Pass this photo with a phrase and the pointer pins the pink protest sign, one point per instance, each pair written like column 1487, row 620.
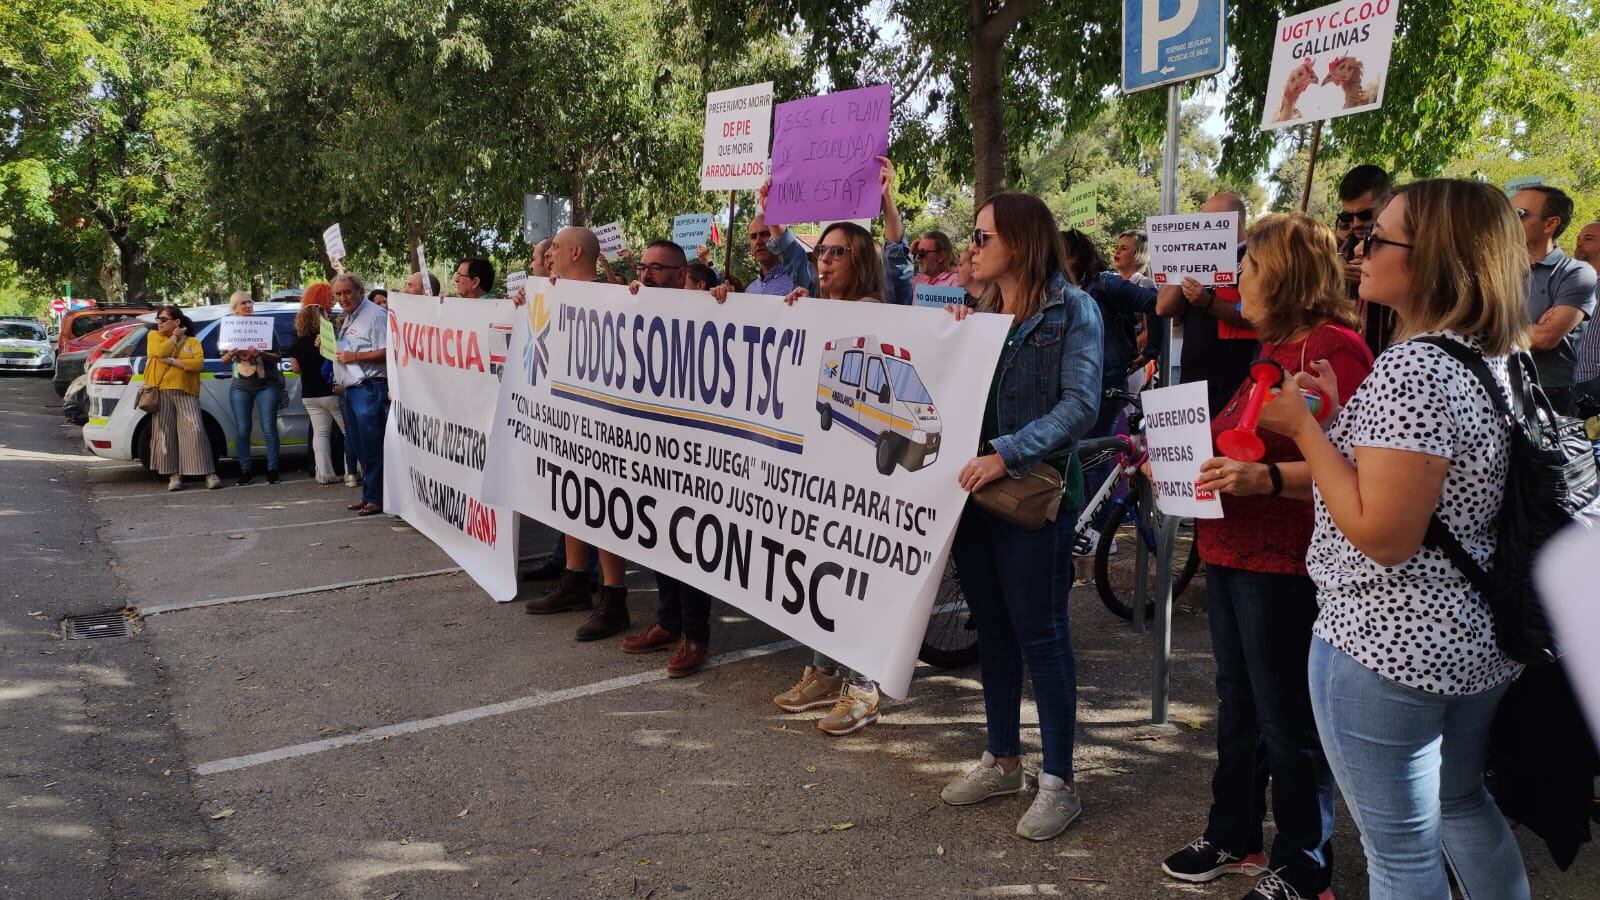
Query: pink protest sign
column 823, row 150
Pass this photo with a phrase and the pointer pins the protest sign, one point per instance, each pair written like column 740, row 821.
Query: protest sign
column 610, row 237
column 1329, row 62
column 738, row 137
column 422, row 266
column 328, row 341
column 444, row 364
column 1202, row 246
column 798, row 463
column 245, row 333
column 824, row 157
column 333, row 241
column 938, row 297
column 514, row 283
column 1177, row 427
column 692, row 231
column 1517, row 184
column 1083, row 205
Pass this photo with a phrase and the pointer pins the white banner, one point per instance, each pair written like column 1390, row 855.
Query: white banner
column 797, row 462
column 1202, row 246
column 1330, row 62
column 1177, row 427
column 738, row 138
column 245, row 333
column 445, row 360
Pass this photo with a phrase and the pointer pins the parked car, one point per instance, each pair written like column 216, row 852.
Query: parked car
column 81, row 323
column 75, row 401
column 117, row 429
column 25, row 346
column 87, row 349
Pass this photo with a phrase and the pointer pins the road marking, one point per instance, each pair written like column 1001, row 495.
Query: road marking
column 227, row 531
column 148, row 611
column 547, row 698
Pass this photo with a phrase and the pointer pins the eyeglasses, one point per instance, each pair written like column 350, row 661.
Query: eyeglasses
column 981, row 237
column 1370, row 239
column 1524, row 213
column 1344, row 219
column 657, row 268
column 831, row 252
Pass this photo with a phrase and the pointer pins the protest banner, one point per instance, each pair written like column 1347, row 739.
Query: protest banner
column 1083, row 206
column 824, row 157
column 938, row 297
column 610, row 237
column 1177, row 427
column 798, row 463
column 1330, row 62
column 445, row 359
column 691, row 232
column 738, row 137
column 1202, row 246
column 245, row 333
column 328, row 341
column 333, row 241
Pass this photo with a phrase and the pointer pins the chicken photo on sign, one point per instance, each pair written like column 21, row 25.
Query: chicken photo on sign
column 1329, row 62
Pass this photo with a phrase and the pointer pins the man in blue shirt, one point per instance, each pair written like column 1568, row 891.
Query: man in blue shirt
column 781, row 258
column 362, row 370
column 1560, row 290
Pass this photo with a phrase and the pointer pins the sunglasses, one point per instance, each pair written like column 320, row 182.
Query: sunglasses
column 1371, row 239
column 1344, row 219
column 1524, row 213
column 164, row 319
column 981, row 237
column 657, row 268
column 919, row 254
column 831, row 252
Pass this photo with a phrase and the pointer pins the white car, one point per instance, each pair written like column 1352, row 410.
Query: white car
column 117, row 429
column 25, row 346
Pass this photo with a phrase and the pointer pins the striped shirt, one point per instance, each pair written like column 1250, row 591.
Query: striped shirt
column 1588, row 368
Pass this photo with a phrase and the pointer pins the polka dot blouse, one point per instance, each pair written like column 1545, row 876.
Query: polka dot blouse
column 1420, row 623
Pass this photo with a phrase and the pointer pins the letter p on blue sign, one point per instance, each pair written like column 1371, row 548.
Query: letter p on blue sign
column 1168, row 41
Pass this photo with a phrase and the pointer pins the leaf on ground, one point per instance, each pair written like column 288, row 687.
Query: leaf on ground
column 807, row 787
column 938, row 850
column 811, row 769
column 844, row 826
column 463, row 813
column 225, row 814
column 642, row 861
column 1194, row 724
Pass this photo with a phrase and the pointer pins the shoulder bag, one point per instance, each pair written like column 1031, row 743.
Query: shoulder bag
column 149, row 397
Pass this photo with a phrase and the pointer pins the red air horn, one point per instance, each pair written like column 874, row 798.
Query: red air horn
column 1241, row 442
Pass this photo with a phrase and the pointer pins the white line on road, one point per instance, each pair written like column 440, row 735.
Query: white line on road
column 148, row 611
column 535, row 701
column 227, row 531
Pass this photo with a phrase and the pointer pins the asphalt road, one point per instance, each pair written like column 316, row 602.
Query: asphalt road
column 352, row 719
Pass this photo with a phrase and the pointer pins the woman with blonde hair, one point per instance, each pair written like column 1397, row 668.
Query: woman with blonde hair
column 257, row 386
column 1404, row 668
column 1043, row 398
column 316, row 389
column 178, row 442
column 1260, row 602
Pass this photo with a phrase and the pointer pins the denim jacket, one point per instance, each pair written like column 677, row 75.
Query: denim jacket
column 1049, row 393
column 897, row 273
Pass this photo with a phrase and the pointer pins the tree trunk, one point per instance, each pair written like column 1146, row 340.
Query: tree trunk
column 986, row 103
column 135, row 270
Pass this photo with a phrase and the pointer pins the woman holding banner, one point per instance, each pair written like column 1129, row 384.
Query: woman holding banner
column 258, row 385
column 1259, row 599
column 1043, row 398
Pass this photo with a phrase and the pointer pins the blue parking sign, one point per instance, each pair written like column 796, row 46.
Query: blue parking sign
column 1167, row 41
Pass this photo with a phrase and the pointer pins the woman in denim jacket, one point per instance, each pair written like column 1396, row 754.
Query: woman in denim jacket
column 1044, row 397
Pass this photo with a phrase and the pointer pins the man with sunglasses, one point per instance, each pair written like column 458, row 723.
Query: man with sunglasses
column 1560, row 291
column 935, row 259
column 1363, row 193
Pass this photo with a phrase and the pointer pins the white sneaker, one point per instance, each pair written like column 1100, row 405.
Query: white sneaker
column 351, row 481
column 985, row 780
column 175, row 483
column 1056, row 806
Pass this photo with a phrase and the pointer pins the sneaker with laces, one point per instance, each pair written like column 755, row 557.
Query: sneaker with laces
column 856, row 708
column 815, row 689
column 1273, row 887
column 1057, row 805
column 985, row 780
column 1202, row 861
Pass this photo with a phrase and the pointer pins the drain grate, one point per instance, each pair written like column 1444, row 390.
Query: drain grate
column 100, row 625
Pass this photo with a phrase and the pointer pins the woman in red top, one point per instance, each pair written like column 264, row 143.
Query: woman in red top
column 1261, row 603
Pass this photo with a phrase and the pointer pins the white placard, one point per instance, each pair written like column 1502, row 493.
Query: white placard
column 610, row 237
column 1202, row 246
column 796, row 462
column 514, row 283
column 445, row 359
column 1330, row 62
column 738, row 138
column 333, row 241
column 422, row 266
column 1177, row 426
column 245, row 333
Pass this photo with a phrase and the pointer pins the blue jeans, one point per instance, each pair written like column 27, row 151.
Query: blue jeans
column 1410, row 766
column 1016, row 582
column 352, row 440
column 264, row 401
column 369, row 410
column 1260, row 636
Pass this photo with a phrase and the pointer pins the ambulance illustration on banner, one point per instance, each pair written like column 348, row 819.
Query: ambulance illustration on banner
column 872, row 389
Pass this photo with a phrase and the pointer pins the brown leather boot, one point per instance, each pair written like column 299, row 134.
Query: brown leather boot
column 609, row 617
column 687, row 658
column 572, row 592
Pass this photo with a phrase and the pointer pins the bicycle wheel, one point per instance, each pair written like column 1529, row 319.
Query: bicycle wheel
column 951, row 640
column 1114, row 571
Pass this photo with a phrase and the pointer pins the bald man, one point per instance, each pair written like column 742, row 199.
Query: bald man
column 1218, row 344
column 573, row 253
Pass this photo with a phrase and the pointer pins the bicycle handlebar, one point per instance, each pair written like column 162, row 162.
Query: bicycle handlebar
column 1116, row 443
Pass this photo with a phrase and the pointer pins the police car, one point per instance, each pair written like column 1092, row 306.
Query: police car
column 118, row 429
column 25, row 346
column 871, row 388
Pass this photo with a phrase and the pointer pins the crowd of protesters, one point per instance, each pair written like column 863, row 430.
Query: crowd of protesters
column 1352, row 655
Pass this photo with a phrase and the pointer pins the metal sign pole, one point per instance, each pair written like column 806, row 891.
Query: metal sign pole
column 1167, row 532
